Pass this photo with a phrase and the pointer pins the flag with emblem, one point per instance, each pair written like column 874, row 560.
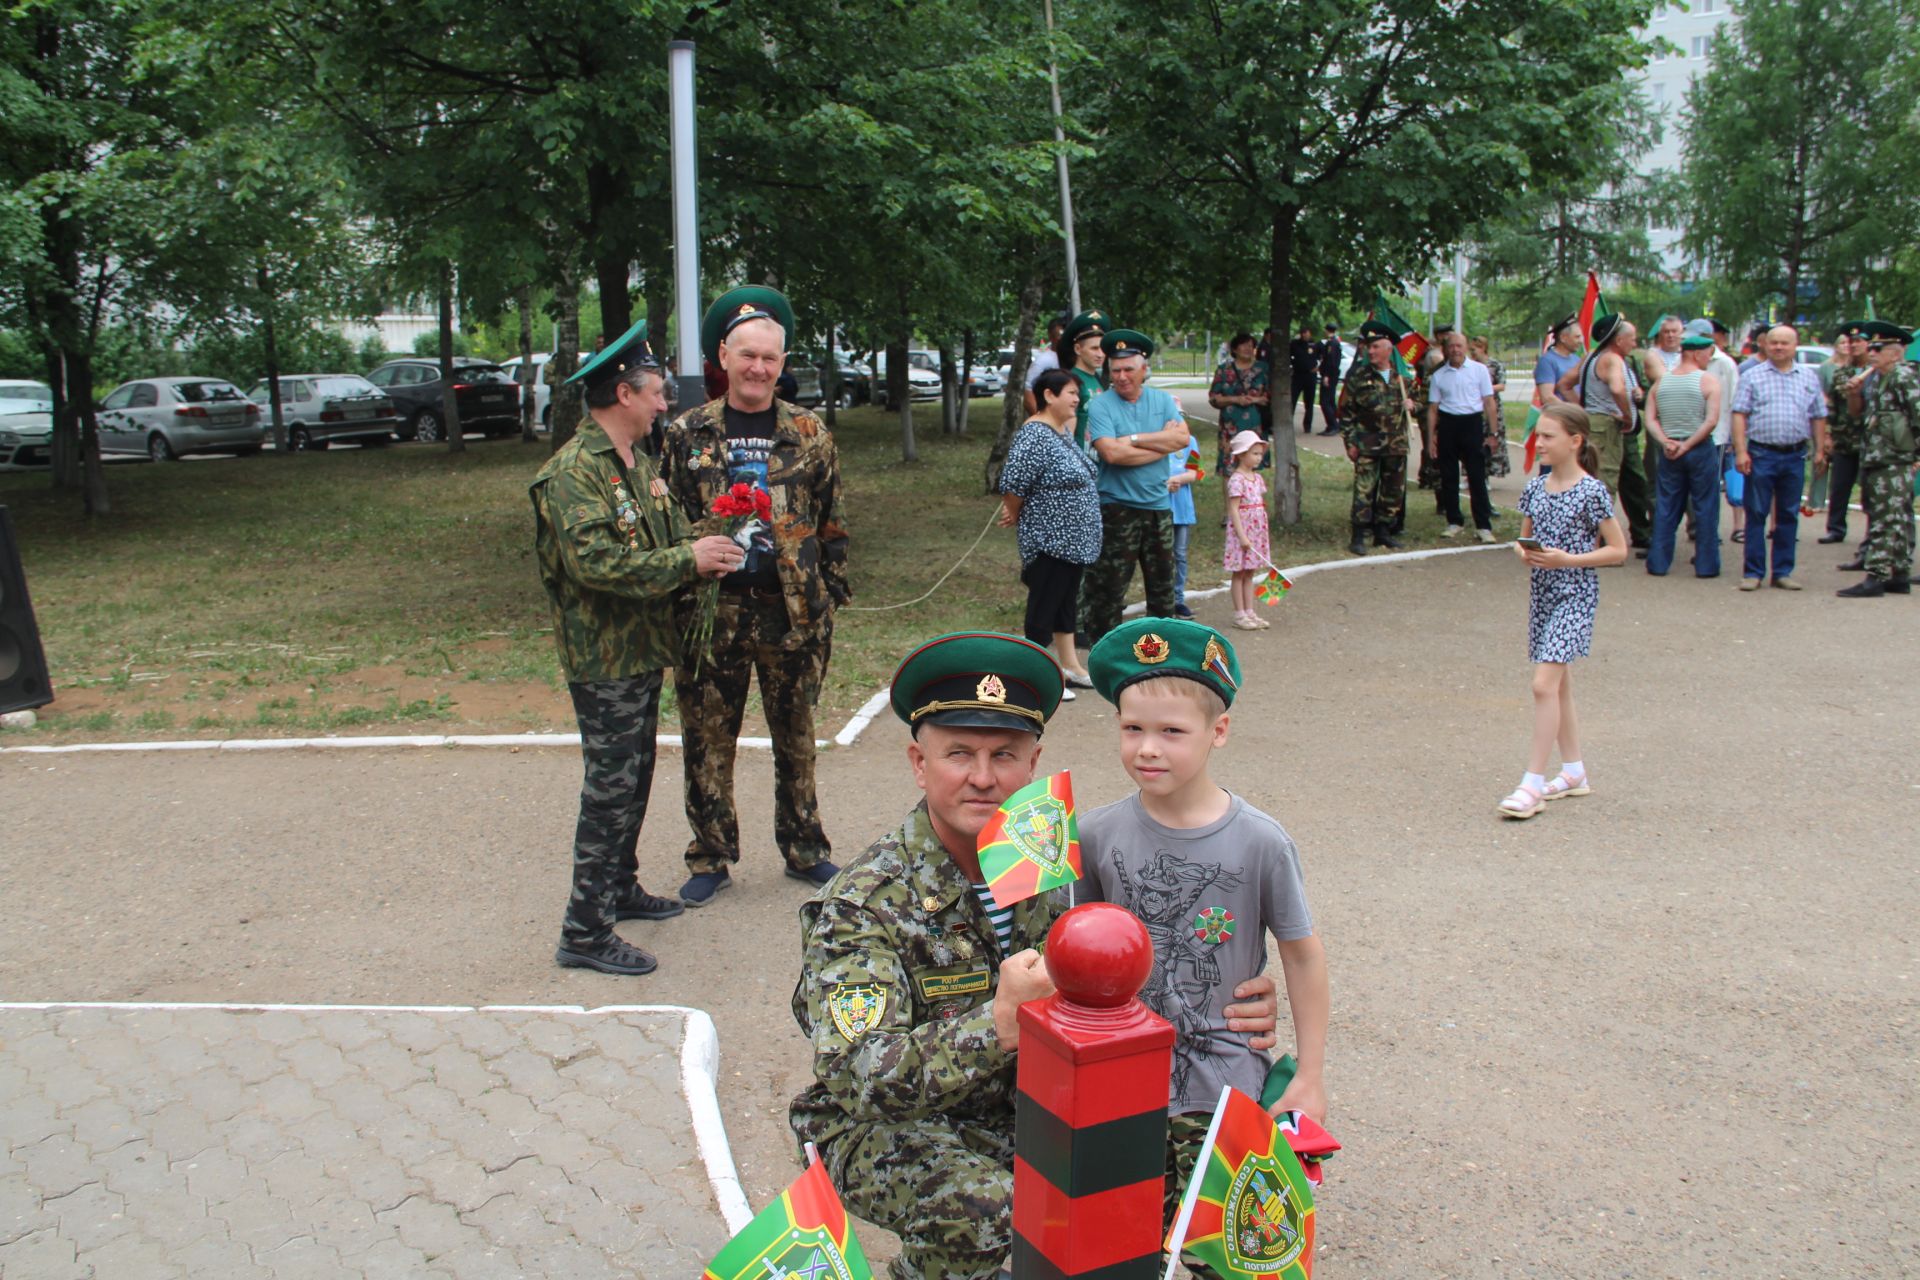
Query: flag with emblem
column 1409, row 344
column 804, row 1235
column 1273, row 588
column 1033, row 843
column 1248, row 1209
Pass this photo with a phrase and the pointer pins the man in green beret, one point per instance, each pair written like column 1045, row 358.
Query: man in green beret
column 911, row 978
column 1132, row 427
column 612, row 553
column 1887, row 399
column 775, row 615
column 1081, row 354
column 1375, row 411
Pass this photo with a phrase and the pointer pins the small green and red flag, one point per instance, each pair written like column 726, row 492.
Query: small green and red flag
column 1248, row 1209
column 1273, row 588
column 1033, row 843
column 1409, row 344
column 803, row 1233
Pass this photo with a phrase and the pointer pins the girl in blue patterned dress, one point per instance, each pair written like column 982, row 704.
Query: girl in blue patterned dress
column 1570, row 514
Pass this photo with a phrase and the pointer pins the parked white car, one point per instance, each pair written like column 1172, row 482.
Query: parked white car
column 165, row 418
column 542, row 393
column 923, row 376
column 320, row 409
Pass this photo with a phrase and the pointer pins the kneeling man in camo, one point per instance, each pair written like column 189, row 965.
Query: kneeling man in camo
column 911, row 978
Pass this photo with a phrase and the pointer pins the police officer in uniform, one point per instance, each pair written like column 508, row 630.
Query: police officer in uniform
column 1374, row 405
column 612, row 553
column 1886, row 399
column 909, row 989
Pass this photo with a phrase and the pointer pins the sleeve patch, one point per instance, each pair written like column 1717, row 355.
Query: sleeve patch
column 857, row 1008
column 941, row 986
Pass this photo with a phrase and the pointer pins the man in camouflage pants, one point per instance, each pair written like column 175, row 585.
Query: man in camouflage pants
column 1132, row 428
column 774, row 617
column 910, row 996
column 1887, row 401
column 612, row 552
column 1374, row 410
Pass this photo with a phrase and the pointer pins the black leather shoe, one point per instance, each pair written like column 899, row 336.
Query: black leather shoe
column 641, row 905
column 1868, row 589
column 1383, row 537
column 1358, row 547
column 1900, row 585
column 1856, row 565
column 1827, row 538
column 615, row 956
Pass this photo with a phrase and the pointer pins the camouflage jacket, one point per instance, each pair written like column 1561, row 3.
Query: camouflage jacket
column 1371, row 416
column 1843, row 425
column 611, row 557
column 803, row 477
column 1890, row 435
column 898, row 967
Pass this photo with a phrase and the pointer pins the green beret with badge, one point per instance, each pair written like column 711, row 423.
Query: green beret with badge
column 1372, row 329
column 737, row 306
column 1604, row 327
column 1146, row 648
column 1087, row 322
column 628, row 351
column 978, row 680
column 1126, row 342
column 1696, row 342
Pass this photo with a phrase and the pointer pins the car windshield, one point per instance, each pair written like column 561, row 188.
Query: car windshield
column 9, row 404
column 344, row 387
column 923, row 360
column 481, row 373
column 203, row 392
column 37, row 393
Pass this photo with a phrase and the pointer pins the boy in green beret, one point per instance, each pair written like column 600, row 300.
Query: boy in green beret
column 1207, row 873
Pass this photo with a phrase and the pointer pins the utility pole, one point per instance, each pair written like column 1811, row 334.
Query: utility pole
column 1060, row 163
column 691, row 385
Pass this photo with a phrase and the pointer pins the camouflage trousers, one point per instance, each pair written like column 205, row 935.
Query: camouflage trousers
column 944, row 1186
column 747, row 634
column 1887, row 494
column 618, row 719
column 1128, row 536
column 1186, row 1135
column 1379, row 489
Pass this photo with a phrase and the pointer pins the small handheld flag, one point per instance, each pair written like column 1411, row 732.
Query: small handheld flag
column 1248, row 1209
column 1273, row 588
column 1409, row 344
column 1591, row 304
column 1033, row 843
column 803, row 1233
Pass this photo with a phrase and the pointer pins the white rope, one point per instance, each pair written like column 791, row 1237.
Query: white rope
column 883, row 608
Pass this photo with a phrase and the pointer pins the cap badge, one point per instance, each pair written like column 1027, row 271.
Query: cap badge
column 1215, row 660
column 1093, row 315
column 1150, row 649
column 990, row 689
column 1120, row 345
column 746, row 309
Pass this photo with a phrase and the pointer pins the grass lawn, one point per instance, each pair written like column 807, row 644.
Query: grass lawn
column 394, row 591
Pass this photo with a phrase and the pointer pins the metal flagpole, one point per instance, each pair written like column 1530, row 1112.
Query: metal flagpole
column 1459, row 291
column 1060, row 162
column 691, row 385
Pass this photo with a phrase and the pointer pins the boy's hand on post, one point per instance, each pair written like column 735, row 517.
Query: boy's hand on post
column 1256, row 1013
column 1023, row 977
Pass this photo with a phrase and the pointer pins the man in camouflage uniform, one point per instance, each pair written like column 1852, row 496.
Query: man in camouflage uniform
column 909, row 993
column 1844, row 430
column 1888, row 400
column 612, row 552
column 775, row 614
column 1374, row 409
column 1132, row 428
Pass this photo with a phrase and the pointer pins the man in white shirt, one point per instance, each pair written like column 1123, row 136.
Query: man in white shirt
column 1460, row 409
column 1046, row 358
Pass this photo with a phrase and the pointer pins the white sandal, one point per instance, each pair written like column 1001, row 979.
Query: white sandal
column 1566, row 785
column 1523, row 803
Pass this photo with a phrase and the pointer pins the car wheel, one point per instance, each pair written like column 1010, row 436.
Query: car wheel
column 298, row 441
column 158, row 450
column 426, row 426
column 845, row 398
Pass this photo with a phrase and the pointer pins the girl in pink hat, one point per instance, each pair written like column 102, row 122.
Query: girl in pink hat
column 1248, row 550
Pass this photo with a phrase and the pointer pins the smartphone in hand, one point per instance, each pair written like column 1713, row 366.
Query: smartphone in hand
column 1530, row 544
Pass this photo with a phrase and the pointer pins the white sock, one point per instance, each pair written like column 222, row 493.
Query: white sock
column 1573, row 768
column 1533, row 780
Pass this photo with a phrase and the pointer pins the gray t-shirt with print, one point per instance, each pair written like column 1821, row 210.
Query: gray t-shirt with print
column 1208, row 897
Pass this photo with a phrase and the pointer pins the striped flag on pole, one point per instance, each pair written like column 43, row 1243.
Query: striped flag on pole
column 1033, row 843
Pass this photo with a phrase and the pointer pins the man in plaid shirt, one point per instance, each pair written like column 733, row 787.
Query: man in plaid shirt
column 1779, row 409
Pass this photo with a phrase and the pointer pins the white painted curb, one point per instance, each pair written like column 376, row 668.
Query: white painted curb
column 699, row 1068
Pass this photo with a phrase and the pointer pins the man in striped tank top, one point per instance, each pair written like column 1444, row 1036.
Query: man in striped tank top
column 1681, row 415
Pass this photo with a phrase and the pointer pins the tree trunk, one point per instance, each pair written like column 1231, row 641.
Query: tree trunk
column 900, row 392
column 608, row 208
column 564, row 406
column 966, row 382
column 66, row 428
column 949, row 375
column 93, row 475
column 830, row 383
column 1286, row 453
column 270, row 349
column 449, row 400
column 529, row 426
column 1012, row 402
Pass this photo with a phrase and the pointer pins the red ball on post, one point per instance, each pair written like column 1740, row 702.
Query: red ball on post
column 1099, row 955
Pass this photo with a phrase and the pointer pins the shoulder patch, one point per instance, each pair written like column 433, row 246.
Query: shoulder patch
column 941, row 986
column 856, row 1008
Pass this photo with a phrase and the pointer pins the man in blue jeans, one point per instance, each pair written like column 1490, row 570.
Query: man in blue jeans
column 1681, row 415
column 1779, row 409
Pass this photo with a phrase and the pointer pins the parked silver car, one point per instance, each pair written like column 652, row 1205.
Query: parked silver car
column 542, row 393
column 320, row 409
column 167, row 417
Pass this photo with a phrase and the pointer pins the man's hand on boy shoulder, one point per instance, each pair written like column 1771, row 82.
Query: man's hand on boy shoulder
column 1257, row 1011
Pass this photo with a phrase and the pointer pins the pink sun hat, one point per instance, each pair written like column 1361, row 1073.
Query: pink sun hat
column 1243, row 441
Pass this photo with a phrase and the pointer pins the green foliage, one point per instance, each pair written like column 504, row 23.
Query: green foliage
column 428, row 344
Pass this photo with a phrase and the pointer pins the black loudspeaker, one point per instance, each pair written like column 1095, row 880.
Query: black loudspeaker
column 23, row 663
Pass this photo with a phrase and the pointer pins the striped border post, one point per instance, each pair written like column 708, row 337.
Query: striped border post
column 1091, row 1114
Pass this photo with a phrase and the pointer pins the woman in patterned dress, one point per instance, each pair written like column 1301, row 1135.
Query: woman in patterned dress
column 1048, row 497
column 1239, row 390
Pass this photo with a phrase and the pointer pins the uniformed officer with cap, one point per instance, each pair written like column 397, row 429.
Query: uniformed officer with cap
column 612, row 553
column 1374, row 406
column 911, row 981
column 1887, row 401
column 1843, row 426
column 775, row 614
column 1080, row 353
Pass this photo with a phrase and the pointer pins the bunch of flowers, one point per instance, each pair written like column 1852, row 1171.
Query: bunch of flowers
column 747, row 509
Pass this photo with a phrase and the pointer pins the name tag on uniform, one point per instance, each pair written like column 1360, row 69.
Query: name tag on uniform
column 942, row 986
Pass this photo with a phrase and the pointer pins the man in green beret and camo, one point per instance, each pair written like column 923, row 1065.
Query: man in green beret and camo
column 1886, row 400
column 774, row 619
column 613, row 552
column 1375, row 408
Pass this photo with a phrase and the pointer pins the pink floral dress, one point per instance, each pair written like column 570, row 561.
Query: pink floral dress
column 1250, row 492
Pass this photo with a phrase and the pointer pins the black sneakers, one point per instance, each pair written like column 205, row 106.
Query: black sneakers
column 647, row 906
column 615, row 955
column 817, row 874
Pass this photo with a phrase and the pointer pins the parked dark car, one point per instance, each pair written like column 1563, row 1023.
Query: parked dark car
column 856, row 380
column 488, row 399
column 320, row 409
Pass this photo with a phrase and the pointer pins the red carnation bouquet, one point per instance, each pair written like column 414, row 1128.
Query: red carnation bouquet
column 748, row 510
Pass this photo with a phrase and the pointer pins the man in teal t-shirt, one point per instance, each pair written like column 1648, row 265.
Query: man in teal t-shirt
column 1132, row 428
